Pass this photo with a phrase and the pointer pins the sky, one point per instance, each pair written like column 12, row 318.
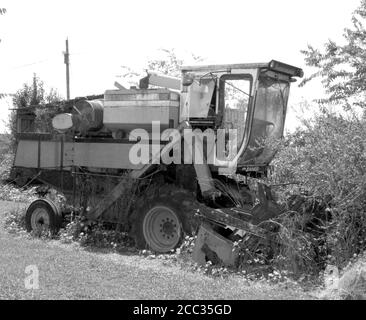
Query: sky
column 106, row 35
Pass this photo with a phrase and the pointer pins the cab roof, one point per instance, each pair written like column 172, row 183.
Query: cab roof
column 272, row 65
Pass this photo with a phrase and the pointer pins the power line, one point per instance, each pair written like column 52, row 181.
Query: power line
column 30, row 64
column 4, row 95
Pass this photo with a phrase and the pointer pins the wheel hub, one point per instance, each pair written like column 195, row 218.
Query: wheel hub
column 40, row 219
column 168, row 228
column 161, row 229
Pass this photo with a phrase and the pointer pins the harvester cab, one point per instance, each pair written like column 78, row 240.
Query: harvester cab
column 248, row 99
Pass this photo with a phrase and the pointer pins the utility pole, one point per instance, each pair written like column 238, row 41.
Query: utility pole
column 67, row 62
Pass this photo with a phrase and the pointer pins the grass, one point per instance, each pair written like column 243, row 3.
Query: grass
column 70, row 271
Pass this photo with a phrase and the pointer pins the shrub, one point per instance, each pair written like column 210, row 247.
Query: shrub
column 10, row 193
column 327, row 160
column 6, row 162
column 98, row 235
column 15, row 221
column 71, row 232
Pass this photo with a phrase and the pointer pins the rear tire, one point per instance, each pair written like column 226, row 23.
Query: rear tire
column 43, row 214
column 161, row 218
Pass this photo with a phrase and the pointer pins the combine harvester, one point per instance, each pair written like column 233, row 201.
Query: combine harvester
column 168, row 160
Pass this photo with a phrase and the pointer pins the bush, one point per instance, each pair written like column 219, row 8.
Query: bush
column 15, row 221
column 6, row 162
column 10, row 193
column 98, row 235
column 327, row 160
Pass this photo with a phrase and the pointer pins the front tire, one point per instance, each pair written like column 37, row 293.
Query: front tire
column 43, row 215
column 162, row 228
column 162, row 218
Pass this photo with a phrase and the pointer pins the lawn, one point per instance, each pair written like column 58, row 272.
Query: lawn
column 68, row 271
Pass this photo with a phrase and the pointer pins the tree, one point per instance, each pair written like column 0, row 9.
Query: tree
column 169, row 65
column 2, row 12
column 33, row 95
column 342, row 67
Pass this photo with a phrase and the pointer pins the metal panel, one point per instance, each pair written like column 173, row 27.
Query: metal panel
column 85, row 154
column 104, row 155
column 140, row 103
column 27, row 154
column 116, row 96
column 49, row 152
column 199, row 98
column 127, row 118
column 130, row 109
column 224, row 67
column 163, row 80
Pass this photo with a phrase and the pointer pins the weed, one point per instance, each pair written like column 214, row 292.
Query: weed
column 15, row 221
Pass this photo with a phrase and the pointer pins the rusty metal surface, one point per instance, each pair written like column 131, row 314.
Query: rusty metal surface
column 225, row 217
column 212, row 246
